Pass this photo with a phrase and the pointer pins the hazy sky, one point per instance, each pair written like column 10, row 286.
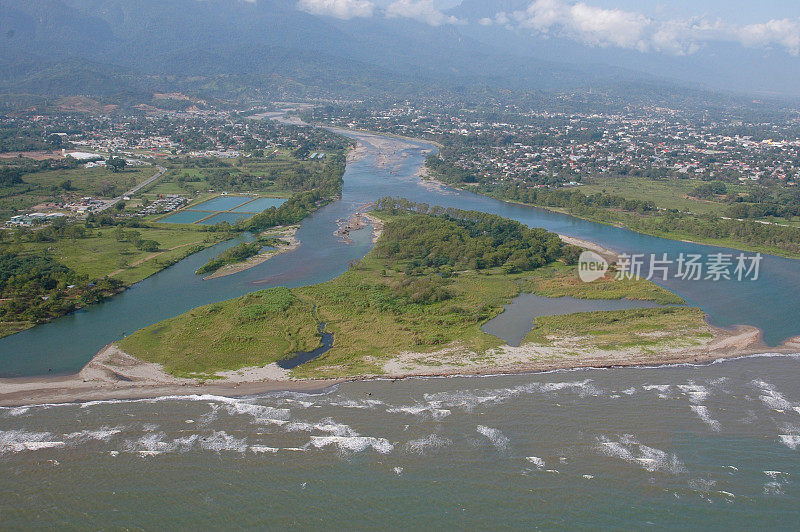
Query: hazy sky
column 739, row 11
column 677, row 27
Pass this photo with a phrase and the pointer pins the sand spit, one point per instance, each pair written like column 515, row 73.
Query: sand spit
column 607, row 254
column 113, row 374
column 284, row 233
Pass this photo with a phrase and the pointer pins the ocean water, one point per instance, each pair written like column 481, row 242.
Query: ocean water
column 716, row 446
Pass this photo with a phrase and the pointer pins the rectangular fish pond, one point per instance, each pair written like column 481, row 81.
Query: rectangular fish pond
column 229, row 209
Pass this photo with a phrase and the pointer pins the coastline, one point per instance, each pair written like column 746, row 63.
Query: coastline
column 115, row 375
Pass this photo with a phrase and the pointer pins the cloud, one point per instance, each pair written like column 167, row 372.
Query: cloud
column 597, row 26
column 421, row 10
column 777, row 32
column 343, row 9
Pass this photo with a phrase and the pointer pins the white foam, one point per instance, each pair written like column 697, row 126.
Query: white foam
column 535, row 460
column 773, row 488
column 649, row 458
column 697, row 393
column 262, row 449
column 498, row 439
column 101, row 434
column 14, row 441
column 353, row 443
column 325, row 425
column 468, row 400
column 773, row 399
column 421, row 410
column 154, row 443
column 431, row 441
column 38, row 445
column 398, row 471
column 792, row 441
column 705, row 417
column 220, row 441
column 360, row 404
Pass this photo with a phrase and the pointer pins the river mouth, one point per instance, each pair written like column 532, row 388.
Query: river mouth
column 302, row 357
column 518, row 318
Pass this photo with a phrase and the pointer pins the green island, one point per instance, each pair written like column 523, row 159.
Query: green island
column 240, row 253
column 417, row 303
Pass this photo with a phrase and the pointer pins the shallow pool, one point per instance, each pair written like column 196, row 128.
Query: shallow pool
column 220, row 203
column 517, row 319
column 259, row 205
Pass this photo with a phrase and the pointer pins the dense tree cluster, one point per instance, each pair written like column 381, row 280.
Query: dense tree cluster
column 238, row 253
column 293, row 211
column 38, row 288
column 663, row 222
column 448, row 239
column 571, row 199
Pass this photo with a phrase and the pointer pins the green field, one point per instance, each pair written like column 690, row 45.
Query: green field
column 267, row 176
column 376, row 311
column 46, row 186
column 101, row 254
column 666, row 194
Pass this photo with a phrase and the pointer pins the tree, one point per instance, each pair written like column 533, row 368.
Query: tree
column 116, row 163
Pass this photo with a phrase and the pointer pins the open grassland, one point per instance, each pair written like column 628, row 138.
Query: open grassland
column 622, row 329
column 250, row 331
column 267, row 176
column 562, row 280
column 669, row 193
column 101, row 254
column 51, row 185
column 377, row 311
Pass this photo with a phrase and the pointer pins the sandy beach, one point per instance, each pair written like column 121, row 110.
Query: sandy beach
column 113, row 374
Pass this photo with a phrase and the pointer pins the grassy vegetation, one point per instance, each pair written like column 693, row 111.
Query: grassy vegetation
column 561, row 280
column 621, row 329
column 229, row 335
column 272, row 176
column 71, row 272
column 67, row 184
column 666, row 194
column 377, row 310
column 101, row 254
column 239, row 253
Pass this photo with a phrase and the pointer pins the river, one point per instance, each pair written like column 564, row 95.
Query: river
column 675, row 447
column 388, row 168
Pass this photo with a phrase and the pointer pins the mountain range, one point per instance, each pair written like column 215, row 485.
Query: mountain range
column 272, row 48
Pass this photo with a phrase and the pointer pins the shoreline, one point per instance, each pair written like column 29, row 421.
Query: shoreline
column 285, row 233
column 114, row 375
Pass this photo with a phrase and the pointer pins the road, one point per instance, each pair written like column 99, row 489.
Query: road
column 134, row 190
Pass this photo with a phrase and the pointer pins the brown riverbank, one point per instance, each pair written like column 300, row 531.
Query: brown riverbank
column 113, row 374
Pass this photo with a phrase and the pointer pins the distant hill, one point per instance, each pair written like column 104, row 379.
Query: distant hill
column 270, row 48
column 108, row 47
